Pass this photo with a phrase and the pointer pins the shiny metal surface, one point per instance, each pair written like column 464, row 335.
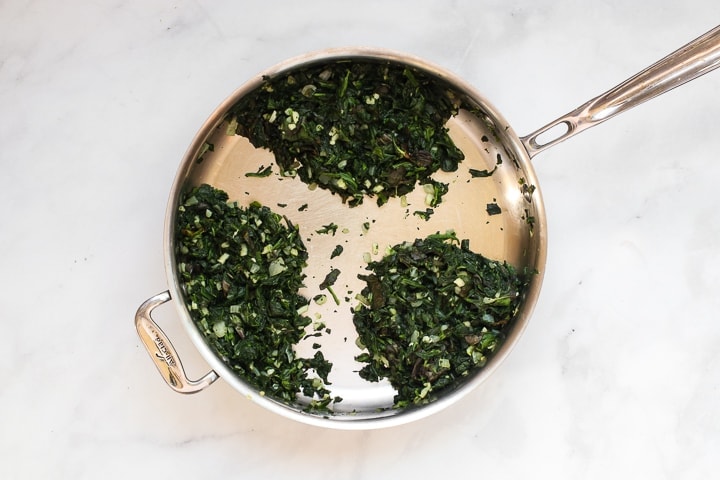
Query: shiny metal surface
column 162, row 351
column 696, row 58
column 508, row 236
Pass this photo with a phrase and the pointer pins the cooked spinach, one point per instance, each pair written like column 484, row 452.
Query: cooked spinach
column 240, row 269
column 262, row 172
column 486, row 173
column 328, row 283
column 330, row 279
column 432, row 311
column 337, row 251
column 330, row 228
column 482, row 173
column 357, row 128
column 493, row 209
column 424, row 214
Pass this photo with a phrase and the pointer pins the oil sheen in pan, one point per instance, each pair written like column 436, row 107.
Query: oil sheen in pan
column 366, row 231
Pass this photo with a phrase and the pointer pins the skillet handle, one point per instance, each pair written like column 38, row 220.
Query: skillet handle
column 687, row 63
column 162, row 351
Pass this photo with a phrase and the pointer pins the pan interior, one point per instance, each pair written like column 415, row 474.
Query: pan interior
column 365, row 231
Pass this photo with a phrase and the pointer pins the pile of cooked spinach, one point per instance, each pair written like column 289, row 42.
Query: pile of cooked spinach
column 240, row 269
column 357, row 128
column 431, row 312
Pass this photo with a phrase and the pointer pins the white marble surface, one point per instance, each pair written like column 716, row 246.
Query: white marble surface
column 618, row 374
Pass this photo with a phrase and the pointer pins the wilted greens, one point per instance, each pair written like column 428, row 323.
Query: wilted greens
column 240, row 269
column 433, row 311
column 357, row 128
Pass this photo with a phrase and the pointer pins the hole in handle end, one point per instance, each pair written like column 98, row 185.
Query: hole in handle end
column 548, row 136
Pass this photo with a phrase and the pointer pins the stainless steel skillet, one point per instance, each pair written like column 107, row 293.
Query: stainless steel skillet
column 517, row 235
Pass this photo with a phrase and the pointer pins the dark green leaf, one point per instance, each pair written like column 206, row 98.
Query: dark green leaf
column 493, row 209
column 435, row 312
column 358, row 129
column 262, row 172
column 481, row 173
column 330, row 279
column 330, row 228
column 336, row 251
column 240, row 269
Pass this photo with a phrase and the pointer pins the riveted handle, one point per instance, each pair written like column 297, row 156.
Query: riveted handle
column 697, row 58
column 162, row 351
